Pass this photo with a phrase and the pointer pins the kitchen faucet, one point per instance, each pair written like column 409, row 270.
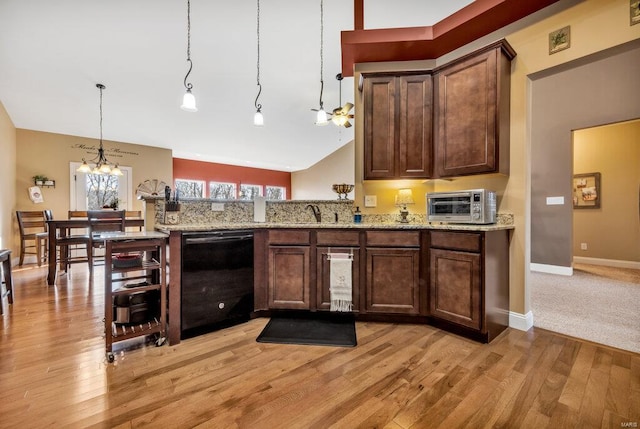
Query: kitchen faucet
column 316, row 211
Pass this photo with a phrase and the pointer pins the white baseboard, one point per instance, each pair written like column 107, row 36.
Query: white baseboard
column 551, row 269
column 521, row 322
column 607, row 262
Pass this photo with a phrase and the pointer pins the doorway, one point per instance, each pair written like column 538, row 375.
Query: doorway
column 606, row 231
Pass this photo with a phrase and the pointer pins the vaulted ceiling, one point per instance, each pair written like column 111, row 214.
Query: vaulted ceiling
column 52, row 54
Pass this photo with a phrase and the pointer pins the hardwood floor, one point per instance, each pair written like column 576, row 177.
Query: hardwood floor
column 53, row 373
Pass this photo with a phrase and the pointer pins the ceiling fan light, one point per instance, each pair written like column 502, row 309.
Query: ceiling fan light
column 258, row 119
column 339, row 120
column 321, row 117
column 189, row 102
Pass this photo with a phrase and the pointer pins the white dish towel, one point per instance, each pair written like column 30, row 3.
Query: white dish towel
column 340, row 281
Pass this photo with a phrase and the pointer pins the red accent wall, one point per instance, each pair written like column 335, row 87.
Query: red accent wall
column 213, row 172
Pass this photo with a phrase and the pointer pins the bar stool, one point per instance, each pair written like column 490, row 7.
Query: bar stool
column 5, row 258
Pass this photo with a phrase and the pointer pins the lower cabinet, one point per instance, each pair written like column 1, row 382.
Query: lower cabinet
column 289, row 264
column 323, row 275
column 456, row 280
column 469, row 280
column 392, row 283
column 455, row 287
column 289, row 277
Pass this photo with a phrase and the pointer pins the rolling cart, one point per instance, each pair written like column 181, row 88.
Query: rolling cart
column 135, row 284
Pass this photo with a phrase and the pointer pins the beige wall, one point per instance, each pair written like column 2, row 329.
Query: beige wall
column 50, row 154
column 613, row 230
column 7, row 177
column 315, row 182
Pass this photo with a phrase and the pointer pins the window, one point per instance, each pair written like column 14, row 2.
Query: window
column 276, row 193
column 222, row 191
column 249, row 192
column 95, row 191
column 190, row 188
column 102, row 191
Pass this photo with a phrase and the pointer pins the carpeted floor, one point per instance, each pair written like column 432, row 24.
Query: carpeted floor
column 600, row 304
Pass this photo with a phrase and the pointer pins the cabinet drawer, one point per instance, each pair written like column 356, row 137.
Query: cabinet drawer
column 338, row 238
column 288, row 236
column 393, row 238
column 470, row 242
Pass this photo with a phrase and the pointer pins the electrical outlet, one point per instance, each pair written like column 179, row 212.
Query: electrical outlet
column 583, row 246
column 370, row 201
column 217, row 207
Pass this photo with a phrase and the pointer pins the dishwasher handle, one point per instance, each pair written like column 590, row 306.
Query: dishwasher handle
column 217, row 239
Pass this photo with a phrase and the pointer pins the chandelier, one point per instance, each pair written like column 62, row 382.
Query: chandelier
column 101, row 164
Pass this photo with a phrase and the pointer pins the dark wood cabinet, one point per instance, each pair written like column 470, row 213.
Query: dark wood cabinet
column 455, row 287
column 289, row 269
column 347, row 242
column 472, row 113
column 392, row 283
column 398, row 126
column 454, row 279
column 469, row 280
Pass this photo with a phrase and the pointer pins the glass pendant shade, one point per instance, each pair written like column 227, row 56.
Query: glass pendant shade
column 258, row 119
column 84, row 168
column 189, row 102
column 321, row 118
column 116, row 171
column 105, row 168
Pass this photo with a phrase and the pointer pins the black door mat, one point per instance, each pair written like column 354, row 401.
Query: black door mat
column 338, row 331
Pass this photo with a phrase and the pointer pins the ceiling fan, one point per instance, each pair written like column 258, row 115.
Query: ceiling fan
column 340, row 115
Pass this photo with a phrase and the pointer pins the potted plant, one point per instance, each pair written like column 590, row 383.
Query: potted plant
column 39, row 179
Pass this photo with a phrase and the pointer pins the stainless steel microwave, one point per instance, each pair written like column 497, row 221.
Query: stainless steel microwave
column 475, row 206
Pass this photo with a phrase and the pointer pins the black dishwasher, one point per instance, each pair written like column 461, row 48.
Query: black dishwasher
column 217, row 280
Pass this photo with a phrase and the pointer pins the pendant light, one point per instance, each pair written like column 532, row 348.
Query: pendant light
column 188, row 101
column 258, row 119
column 321, row 116
column 101, row 164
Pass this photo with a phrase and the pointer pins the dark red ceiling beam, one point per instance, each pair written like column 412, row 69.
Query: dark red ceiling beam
column 421, row 43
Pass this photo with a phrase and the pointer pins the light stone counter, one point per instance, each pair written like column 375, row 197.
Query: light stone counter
column 198, row 216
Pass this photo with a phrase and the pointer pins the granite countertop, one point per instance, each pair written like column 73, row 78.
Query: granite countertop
column 326, row 225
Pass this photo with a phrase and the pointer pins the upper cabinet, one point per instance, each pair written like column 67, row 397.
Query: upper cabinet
column 447, row 122
column 398, row 126
column 472, row 113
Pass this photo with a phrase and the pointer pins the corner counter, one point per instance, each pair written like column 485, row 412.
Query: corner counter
column 453, row 276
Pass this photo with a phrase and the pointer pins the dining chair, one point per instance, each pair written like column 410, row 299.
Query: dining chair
column 133, row 214
column 69, row 242
column 101, row 221
column 33, row 233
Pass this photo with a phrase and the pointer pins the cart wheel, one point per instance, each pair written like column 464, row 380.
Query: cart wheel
column 160, row 341
column 110, row 357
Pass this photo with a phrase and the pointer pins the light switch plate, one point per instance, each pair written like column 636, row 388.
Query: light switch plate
column 217, row 207
column 370, row 200
column 555, row 201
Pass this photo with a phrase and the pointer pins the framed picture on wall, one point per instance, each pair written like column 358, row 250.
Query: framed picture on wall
column 586, row 191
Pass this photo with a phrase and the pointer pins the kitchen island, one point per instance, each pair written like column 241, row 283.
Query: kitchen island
column 455, row 277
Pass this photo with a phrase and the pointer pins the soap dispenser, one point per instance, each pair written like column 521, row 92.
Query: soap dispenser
column 357, row 216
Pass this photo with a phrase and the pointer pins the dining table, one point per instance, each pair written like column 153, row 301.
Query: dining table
column 60, row 228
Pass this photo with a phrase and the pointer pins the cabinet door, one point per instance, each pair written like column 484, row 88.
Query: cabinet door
column 466, row 97
column 379, row 127
column 289, row 277
column 323, row 276
column 455, row 287
column 415, row 126
column 392, row 282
